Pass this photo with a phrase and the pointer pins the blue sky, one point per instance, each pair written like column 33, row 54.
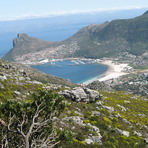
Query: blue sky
column 16, row 9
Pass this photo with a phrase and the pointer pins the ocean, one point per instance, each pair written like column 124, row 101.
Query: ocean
column 78, row 71
column 60, row 28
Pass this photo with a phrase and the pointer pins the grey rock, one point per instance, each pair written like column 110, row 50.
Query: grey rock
column 122, row 107
column 80, row 114
column 93, row 95
column 6, row 66
column 137, row 133
column 110, row 109
column 146, row 140
column 81, row 94
column 17, row 93
column 95, row 129
column 78, row 109
column 125, row 133
column 21, row 78
column 98, row 108
column 144, row 126
column 127, row 102
column 76, row 119
column 35, row 82
column 118, row 116
column 99, row 103
column 88, row 141
column 96, row 139
column 3, row 78
column 18, row 98
column 65, row 93
column 23, row 72
column 73, row 128
column 126, row 121
column 95, row 113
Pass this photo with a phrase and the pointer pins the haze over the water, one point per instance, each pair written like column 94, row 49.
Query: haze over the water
column 17, row 9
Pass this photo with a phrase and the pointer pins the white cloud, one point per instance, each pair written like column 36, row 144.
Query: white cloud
column 62, row 13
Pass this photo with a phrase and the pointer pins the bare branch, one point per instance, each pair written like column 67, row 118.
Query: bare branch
column 10, row 123
column 4, row 142
column 20, row 130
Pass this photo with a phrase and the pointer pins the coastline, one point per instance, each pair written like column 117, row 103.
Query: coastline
column 114, row 71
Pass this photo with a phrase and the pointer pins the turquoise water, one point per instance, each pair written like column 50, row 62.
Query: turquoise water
column 77, row 72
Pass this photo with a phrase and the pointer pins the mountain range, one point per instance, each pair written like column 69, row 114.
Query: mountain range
column 94, row 41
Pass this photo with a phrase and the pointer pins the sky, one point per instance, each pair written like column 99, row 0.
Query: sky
column 20, row 9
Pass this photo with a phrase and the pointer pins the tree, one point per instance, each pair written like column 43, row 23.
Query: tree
column 31, row 123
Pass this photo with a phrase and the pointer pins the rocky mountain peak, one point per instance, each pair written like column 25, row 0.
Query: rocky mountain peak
column 21, row 38
column 22, row 35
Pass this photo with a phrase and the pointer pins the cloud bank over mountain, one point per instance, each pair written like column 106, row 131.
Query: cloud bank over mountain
column 72, row 12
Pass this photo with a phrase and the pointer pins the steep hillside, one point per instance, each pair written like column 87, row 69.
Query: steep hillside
column 66, row 117
column 118, row 36
column 18, row 77
column 94, row 41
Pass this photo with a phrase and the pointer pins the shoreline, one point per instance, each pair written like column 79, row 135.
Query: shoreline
column 114, row 71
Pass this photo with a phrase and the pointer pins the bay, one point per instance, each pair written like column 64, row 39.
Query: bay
column 73, row 70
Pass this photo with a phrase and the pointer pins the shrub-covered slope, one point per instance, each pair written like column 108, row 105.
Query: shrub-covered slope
column 83, row 118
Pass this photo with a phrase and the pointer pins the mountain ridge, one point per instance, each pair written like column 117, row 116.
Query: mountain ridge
column 94, row 41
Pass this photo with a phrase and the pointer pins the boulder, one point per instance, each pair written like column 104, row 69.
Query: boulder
column 78, row 94
column 81, row 94
column 93, row 95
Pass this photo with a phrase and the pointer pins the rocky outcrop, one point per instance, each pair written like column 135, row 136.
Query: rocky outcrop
column 80, row 94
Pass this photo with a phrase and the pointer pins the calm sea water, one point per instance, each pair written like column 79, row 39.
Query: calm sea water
column 76, row 72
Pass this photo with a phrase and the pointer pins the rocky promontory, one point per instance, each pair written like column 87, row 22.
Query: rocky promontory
column 94, row 41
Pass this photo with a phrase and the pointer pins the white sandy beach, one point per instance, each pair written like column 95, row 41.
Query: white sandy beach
column 114, row 71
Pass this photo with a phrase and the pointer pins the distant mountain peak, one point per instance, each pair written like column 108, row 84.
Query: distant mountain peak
column 146, row 13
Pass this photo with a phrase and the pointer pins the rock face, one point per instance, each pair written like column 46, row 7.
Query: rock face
column 81, row 94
